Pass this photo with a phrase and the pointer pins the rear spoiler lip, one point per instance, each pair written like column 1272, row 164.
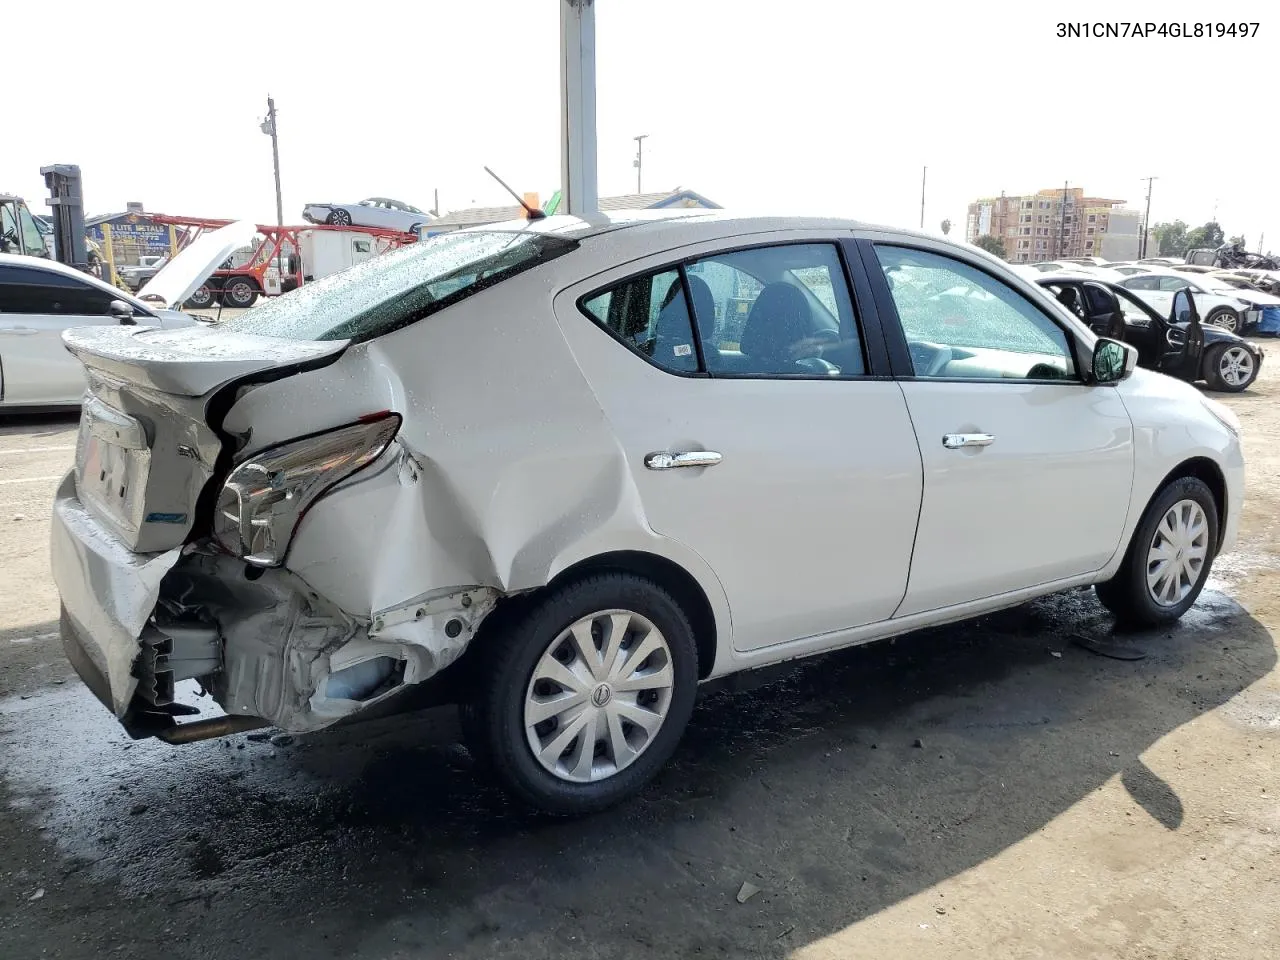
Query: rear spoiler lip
column 193, row 361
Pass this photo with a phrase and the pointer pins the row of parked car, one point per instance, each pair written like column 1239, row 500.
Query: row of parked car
column 1134, row 302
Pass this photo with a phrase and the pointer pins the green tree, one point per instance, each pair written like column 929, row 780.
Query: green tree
column 1210, row 236
column 1171, row 238
column 991, row 244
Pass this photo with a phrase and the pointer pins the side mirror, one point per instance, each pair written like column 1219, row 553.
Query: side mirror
column 1184, row 307
column 122, row 311
column 1112, row 361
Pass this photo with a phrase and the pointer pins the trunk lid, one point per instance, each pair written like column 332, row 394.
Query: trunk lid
column 149, row 438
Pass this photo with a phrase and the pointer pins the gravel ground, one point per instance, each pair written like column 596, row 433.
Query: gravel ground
column 987, row 790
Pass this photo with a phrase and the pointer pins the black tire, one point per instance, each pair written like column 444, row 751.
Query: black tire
column 1212, row 367
column 493, row 721
column 202, row 299
column 239, row 292
column 1127, row 594
column 338, row 218
column 1224, row 317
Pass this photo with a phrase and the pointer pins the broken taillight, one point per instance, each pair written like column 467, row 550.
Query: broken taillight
column 266, row 496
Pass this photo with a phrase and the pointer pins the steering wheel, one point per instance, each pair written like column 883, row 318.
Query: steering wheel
column 815, row 363
column 1045, row 371
column 824, row 368
column 933, row 357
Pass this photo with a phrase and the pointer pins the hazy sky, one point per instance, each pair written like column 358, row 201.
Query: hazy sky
column 808, row 107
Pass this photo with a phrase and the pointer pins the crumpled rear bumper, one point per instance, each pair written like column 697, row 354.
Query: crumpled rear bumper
column 108, row 593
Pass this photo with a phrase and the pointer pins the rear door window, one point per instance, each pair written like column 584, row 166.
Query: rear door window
column 650, row 315
column 30, row 290
column 780, row 310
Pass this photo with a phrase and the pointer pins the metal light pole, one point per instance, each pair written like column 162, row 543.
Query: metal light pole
column 639, row 161
column 269, row 128
column 578, row 107
column 1146, row 222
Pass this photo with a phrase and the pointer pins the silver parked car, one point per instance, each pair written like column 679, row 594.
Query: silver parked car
column 560, row 472
column 377, row 212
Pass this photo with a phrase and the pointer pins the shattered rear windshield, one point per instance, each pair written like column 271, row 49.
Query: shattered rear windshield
column 394, row 289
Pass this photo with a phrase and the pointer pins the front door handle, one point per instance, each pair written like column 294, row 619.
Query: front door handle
column 954, row 441
column 692, row 458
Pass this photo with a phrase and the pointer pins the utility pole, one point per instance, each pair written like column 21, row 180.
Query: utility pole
column 1146, row 221
column 639, row 161
column 1062, row 228
column 924, row 175
column 269, row 128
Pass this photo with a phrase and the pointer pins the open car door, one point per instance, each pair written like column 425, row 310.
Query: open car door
column 1183, row 338
column 1103, row 312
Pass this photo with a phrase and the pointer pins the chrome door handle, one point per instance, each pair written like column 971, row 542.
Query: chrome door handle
column 954, row 441
column 693, row 458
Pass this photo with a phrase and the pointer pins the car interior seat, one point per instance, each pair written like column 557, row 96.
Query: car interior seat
column 778, row 319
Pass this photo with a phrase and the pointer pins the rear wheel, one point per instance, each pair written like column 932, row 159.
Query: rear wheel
column 338, row 218
column 1230, row 367
column 239, row 292
column 1169, row 557
column 586, row 694
column 202, row 298
column 1224, row 317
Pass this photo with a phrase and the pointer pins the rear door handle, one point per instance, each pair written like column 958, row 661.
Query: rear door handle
column 692, row 458
column 954, row 441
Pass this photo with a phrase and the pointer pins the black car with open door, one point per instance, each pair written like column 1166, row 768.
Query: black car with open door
column 1179, row 345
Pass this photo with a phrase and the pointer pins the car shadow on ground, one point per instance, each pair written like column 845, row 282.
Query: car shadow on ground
column 854, row 781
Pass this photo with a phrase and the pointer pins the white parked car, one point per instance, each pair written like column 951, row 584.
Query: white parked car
column 40, row 299
column 562, row 472
column 1081, row 265
column 1221, row 304
column 374, row 212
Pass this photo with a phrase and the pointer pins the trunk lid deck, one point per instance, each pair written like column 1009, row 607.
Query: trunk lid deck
column 149, row 436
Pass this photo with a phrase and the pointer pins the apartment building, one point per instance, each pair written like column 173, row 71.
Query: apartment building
column 1056, row 223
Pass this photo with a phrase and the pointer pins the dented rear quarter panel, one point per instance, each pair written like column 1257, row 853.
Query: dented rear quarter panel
column 505, row 472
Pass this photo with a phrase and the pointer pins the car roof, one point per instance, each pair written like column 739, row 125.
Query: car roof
column 689, row 224
column 53, row 266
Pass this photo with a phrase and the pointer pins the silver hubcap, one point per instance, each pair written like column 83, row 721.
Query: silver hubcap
column 1236, row 366
column 1177, row 554
column 598, row 696
column 1227, row 321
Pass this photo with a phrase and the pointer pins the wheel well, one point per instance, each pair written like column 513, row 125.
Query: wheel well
column 1205, row 470
column 670, row 576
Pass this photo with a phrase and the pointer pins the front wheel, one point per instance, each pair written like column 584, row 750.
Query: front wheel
column 1224, row 317
column 1230, row 368
column 1169, row 557
column 586, row 695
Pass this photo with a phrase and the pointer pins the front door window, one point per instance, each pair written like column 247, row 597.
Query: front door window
column 963, row 323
